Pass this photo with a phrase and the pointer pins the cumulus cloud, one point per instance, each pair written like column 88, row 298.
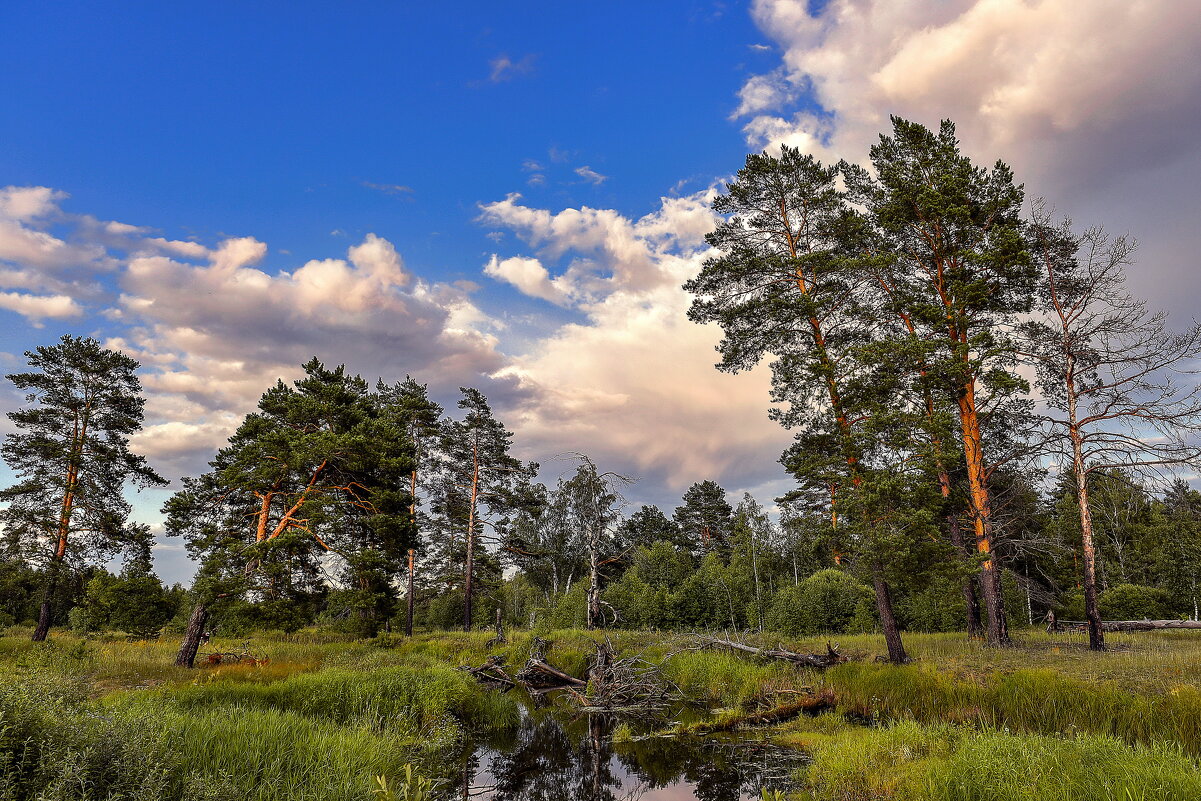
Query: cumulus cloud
column 632, row 384
column 529, row 276
column 35, row 308
column 1091, row 106
column 216, row 334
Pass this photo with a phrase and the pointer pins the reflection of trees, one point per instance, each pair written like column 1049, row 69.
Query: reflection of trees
column 547, row 764
column 550, row 760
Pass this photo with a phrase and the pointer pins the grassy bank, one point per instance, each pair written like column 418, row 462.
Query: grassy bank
column 325, row 716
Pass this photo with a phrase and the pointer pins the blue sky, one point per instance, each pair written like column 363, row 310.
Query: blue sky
column 509, row 196
column 276, row 119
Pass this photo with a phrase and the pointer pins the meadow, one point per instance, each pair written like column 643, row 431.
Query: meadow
column 331, row 718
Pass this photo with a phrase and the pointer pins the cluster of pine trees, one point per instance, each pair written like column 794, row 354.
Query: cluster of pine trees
column 903, row 309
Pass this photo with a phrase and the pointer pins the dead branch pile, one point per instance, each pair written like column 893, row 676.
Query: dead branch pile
column 492, row 672
column 612, row 683
column 830, row 658
column 625, row 684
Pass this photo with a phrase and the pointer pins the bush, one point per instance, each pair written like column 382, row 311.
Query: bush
column 1133, row 602
column 829, row 601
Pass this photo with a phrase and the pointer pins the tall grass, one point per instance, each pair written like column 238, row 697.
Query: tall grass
column 909, row 762
column 1041, row 701
column 423, row 702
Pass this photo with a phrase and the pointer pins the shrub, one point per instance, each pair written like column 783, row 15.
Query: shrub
column 1133, row 602
column 829, row 601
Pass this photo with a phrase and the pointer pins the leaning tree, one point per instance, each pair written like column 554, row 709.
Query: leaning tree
column 71, row 455
column 316, row 470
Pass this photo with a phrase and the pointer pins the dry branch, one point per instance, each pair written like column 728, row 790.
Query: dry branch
column 828, row 659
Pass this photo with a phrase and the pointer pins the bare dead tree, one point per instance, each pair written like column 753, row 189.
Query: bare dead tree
column 1108, row 369
column 595, row 508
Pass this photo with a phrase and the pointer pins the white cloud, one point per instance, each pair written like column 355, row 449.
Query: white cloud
column 26, row 203
column 1093, row 104
column 37, row 307
column 590, row 175
column 504, row 68
column 633, row 384
column 1012, row 73
column 529, row 276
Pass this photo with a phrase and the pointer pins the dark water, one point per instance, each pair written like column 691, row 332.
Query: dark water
column 558, row 754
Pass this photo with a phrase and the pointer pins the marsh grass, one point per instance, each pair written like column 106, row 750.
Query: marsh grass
column 906, row 761
column 105, row 718
column 1037, row 701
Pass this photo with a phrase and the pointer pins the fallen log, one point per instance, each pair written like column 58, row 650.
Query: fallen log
column 1127, row 625
column 539, row 674
column 491, row 671
column 830, row 658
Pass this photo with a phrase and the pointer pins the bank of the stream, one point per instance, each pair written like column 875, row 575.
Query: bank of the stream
column 325, row 717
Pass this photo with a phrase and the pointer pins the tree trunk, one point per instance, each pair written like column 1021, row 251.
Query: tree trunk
column 409, row 600
column 990, row 573
column 975, row 629
column 1092, row 612
column 46, row 613
column 593, row 613
column 469, row 568
column 191, row 636
column 888, row 621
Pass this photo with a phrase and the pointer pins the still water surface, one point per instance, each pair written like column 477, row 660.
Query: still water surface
column 558, row 754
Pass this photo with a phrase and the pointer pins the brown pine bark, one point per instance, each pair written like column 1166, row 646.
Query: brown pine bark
column 409, row 600
column 977, row 477
column 191, row 636
column 888, row 621
column 883, row 599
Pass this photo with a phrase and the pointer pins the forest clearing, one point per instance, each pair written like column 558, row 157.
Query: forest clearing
column 392, row 718
column 770, row 400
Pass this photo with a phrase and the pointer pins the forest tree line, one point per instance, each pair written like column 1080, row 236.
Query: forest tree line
column 903, row 310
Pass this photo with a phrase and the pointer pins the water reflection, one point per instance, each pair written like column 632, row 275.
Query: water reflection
column 555, row 756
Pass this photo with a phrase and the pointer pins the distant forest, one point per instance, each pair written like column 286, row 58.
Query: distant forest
column 988, row 427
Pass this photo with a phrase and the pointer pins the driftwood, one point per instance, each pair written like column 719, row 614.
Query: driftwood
column 1124, row 625
column 830, row 658
column 491, row 671
column 541, row 675
column 629, row 684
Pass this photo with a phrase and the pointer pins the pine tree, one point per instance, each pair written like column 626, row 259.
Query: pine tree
column 951, row 233
column 409, row 404
column 787, row 284
column 478, row 488
column 71, row 455
column 316, row 470
column 705, row 518
column 1106, row 366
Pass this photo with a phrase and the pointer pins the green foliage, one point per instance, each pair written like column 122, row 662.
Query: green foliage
column 1132, row 602
column 53, row 747
column 829, row 601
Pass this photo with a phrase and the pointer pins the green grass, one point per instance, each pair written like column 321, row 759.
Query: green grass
column 906, row 761
column 108, row 719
